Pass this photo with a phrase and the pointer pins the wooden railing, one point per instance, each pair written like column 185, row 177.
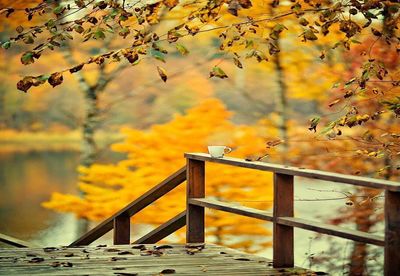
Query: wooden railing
column 283, row 212
column 14, row 241
column 282, row 216
column 120, row 221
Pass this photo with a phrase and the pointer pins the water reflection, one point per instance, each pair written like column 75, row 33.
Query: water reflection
column 26, row 180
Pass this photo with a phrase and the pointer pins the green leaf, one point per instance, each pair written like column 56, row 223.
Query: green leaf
column 6, row 45
column 182, row 49
column 157, row 55
column 314, row 123
column 27, row 58
column 309, row 35
column 58, row 10
column 79, row 29
column 99, row 34
column 218, row 72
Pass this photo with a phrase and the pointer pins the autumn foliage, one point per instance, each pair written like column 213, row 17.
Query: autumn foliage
column 154, row 154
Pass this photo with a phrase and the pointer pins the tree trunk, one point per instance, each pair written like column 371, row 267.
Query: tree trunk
column 89, row 146
column 282, row 105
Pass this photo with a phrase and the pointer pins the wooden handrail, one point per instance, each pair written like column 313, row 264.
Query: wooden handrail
column 289, row 170
column 282, row 217
column 14, row 241
column 135, row 206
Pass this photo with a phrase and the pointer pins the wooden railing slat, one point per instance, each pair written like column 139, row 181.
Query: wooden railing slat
column 14, row 241
column 195, row 189
column 122, row 229
column 332, row 230
column 315, row 174
column 283, row 235
column 392, row 233
column 135, row 206
column 164, row 230
column 232, row 208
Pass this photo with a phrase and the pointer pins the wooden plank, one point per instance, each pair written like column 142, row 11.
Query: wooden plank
column 392, row 233
column 333, row 230
column 122, row 229
column 135, row 206
column 14, row 241
column 164, row 230
column 208, row 261
column 283, row 235
column 232, row 208
column 315, row 174
column 195, row 189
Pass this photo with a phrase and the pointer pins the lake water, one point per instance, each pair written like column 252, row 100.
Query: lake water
column 28, row 178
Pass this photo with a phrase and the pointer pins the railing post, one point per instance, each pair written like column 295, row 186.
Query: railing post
column 392, row 233
column 122, row 225
column 283, row 253
column 195, row 189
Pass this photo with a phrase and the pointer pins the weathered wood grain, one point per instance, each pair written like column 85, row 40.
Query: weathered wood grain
column 207, row 260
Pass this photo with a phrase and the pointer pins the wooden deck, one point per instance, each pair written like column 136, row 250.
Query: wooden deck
column 149, row 259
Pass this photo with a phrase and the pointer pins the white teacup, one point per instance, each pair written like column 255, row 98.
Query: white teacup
column 218, row 151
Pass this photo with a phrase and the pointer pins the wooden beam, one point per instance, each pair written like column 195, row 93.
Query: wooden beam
column 135, row 206
column 332, row 230
column 232, row 208
column 195, row 189
column 392, row 233
column 122, row 229
column 164, row 230
column 283, row 236
column 315, row 174
column 14, row 241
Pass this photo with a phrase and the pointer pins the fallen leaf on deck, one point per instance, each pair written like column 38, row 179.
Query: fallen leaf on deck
column 36, row 260
column 125, row 253
column 117, row 259
column 168, row 271
column 112, row 250
column 66, row 264
column 118, row 268
column 139, row 246
column 126, row 273
column 242, row 259
column 164, row 246
column 69, row 255
column 102, row 245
